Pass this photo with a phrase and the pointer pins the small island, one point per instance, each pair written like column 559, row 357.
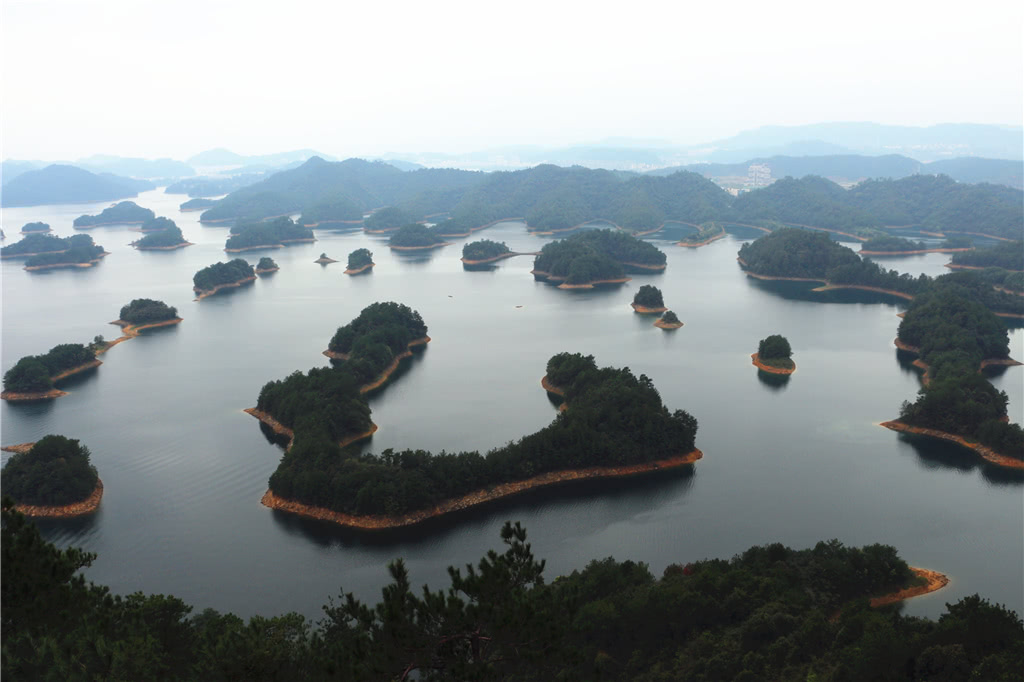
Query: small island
column 166, row 239
column 33, row 376
column 266, row 265
column 81, row 253
column 415, row 237
column 53, row 478
column 886, row 245
column 123, row 213
column 774, row 355
column 1005, row 255
column 324, row 259
column 340, row 211
column 34, row 244
column 595, row 257
column 708, row 233
column 198, row 204
column 359, row 261
column 36, row 228
column 648, row 300
column 267, row 235
column 387, row 219
column 668, row 321
column 213, row 278
column 141, row 313
column 485, row 251
column 376, row 342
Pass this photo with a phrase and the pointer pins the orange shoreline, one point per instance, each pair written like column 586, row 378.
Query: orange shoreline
column 116, row 222
column 161, row 248
column 419, row 248
column 18, row 449
column 933, row 581
column 910, row 253
column 253, row 248
column 707, row 241
column 644, row 266
column 52, row 266
column 356, row 271
column 389, row 370
column 768, row 368
column 662, row 324
column 987, row 453
column 130, row 331
column 283, row 430
column 374, row 522
column 264, row 271
column 953, row 266
column 203, row 293
column 644, row 310
column 325, row 261
column 86, row 506
column 14, row 396
column 921, row 364
column 494, row 259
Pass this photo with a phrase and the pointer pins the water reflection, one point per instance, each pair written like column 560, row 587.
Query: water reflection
column 935, row 453
column 773, row 382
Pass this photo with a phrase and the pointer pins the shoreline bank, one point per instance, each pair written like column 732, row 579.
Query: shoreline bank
column 933, row 581
column 203, row 293
column 389, row 370
column 756, row 360
column 282, row 430
column 644, row 310
column 86, row 506
column 986, row 453
column 356, row 271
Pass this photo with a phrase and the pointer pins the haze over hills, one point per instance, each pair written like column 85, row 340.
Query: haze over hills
column 225, row 157
column 60, row 184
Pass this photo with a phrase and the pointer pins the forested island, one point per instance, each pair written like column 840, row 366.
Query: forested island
column 158, row 224
column 485, row 251
column 388, row 219
column 1005, row 255
column 33, row 244
column 123, row 213
column 616, row 425
column 267, row 235
column 359, row 261
column 54, row 478
column 595, row 257
column 708, row 232
column 774, row 355
column 324, row 259
column 415, row 236
column 769, row 613
column 167, row 239
column 266, row 265
column 888, row 245
column 35, row 227
column 213, row 278
column 668, row 320
column 340, row 211
column 33, row 376
column 197, row 205
column 648, row 299
column 374, row 342
column 954, row 336
column 80, row 252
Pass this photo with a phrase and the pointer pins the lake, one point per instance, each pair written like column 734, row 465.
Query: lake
column 794, row 462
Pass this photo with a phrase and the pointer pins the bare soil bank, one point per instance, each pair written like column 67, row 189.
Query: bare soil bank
column 986, row 452
column 933, row 581
column 210, row 292
column 910, row 253
column 644, row 310
column 427, row 247
column 325, row 261
column 768, row 368
column 494, row 259
column 53, row 266
column 662, row 324
column 161, row 248
column 694, row 245
column 86, row 506
column 18, row 449
column 389, row 370
column 356, row 271
column 283, row 430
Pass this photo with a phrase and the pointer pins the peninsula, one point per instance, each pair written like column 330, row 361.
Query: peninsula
column 374, row 343
column 267, row 235
column 197, row 204
column 359, row 261
column 52, row 478
column 33, row 376
column 141, row 313
column 213, row 278
column 708, row 233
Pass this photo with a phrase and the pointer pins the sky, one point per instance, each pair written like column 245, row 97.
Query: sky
column 158, row 79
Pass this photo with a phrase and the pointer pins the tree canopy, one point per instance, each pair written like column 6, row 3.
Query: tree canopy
column 484, row 249
column 649, row 296
column 1006, row 255
column 171, row 236
column 360, row 258
column 774, row 347
column 145, row 310
column 35, row 227
column 415, row 234
column 55, row 472
column 122, row 213
column 275, row 232
column 233, row 271
column 33, row 373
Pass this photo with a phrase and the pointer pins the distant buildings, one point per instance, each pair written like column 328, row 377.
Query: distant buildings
column 759, row 175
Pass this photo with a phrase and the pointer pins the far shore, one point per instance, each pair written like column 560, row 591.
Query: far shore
column 954, row 266
column 494, row 259
column 662, row 324
column 254, row 248
column 86, row 506
column 283, row 430
column 694, row 245
column 203, row 293
column 389, row 370
column 425, row 247
column 911, row 253
column 52, row 266
column 987, row 453
column 933, row 581
column 501, row 490
column 116, row 222
column 644, row 310
column 161, row 248
column 756, row 360
column 356, row 271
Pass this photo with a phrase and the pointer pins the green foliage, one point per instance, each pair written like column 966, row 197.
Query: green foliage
column 35, row 227
column 27, row 374
column 196, row 204
column 360, row 258
column 649, row 296
column 1006, row 255
column 774, row 347
column 276, row 232
column 214, row 275
column 158, row 224
column 122, row 213
column 171, row 236
column 595, row 255
column 338, row 210
column 669, row 317
column 811, row 200
column 484, row 249
column 45, row 243
column 889, row 244
column 143, row 310
column 55, row 472
column 707, row 231
column 389, row 218
column 76, row 254
column 266, row 263
column 323, row 403
column 415, row 234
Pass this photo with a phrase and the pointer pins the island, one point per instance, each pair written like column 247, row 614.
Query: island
column 774, row 355
column 375, row 342
column 887, row 245
column 594, row 257
column 485, row 251
column 79, row 254
column 339, row 211
column 359, row 261
column 1005, row 255
column 197, row 204
column 324, row 259
column 648, row 300
column 266, row 265
column 53, row 478
column 167, row 239
column 955, row 336
column 141, row 313
column 213, row 278
column 387, row 219
column 668, row 321
column 157, row 224
column 415, row 237
column 35, row 228
column 709, row 232
column 34, row 244
column 33, row 376
column 617, row 426
column 267, row 235
column 123, row 213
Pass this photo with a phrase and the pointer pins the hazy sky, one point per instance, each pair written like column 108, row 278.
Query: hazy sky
column 171, row 78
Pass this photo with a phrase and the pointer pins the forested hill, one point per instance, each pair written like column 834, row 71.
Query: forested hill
column 315, row 183
column 59, row 184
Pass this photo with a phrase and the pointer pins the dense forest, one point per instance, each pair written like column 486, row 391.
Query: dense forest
column 197, row 204
column 484, row 249
column 415, row 235
column 769, row 613
column 375, row 337
column 614, row 419
column 170, row 236
column 775, row 351
column 81, row 252
column 1006, row 255
column 35, row 227
column 954, row 332
column 158, row 224
column 649, row 296
column 44, row 243
column 275, row 232
column 388, row 218
column 669, row 317
column 33, row 373
column 889, row 244
column 123, row 213
column 212, row 276
column 146, row 310
column 55, row 472
column 707, row 232
column 595, row 255
column 359, row 258
column 266, row 264
column 338, row 211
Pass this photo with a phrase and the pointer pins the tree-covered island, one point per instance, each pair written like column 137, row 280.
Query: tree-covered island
column 669, row 320
column 197, row 205
column 595, row 257
column 616, row 425
column 266, row 265
column 143, row 313
column 35, row 227
column 774, row 355
column 267, row 235
column 888, row 245
column 414, row 237
column 360, row 260
column 375, row 342
column 648, row 299
column 213, row 278
column 485, row 251
column 157, row 224
column 1005, row 255
column 33, row 376
column 708, row 232
column 388, row 219
column 53, row 478
column 167, row 239
column 123, row 213
column 80, row 252
column 35, row 243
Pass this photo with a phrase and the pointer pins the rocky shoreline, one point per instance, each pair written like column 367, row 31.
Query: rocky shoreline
column 756, row 360
column 86, row 506
column 987, row 453
column 203, row 293
column 389, row 370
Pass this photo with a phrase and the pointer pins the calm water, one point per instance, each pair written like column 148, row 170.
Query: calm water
column 185, row 468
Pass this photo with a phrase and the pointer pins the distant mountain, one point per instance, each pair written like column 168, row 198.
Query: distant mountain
column 136, row 167
column 12, row 168
column 402, row 165
column 224, row 157
column 61, row 184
